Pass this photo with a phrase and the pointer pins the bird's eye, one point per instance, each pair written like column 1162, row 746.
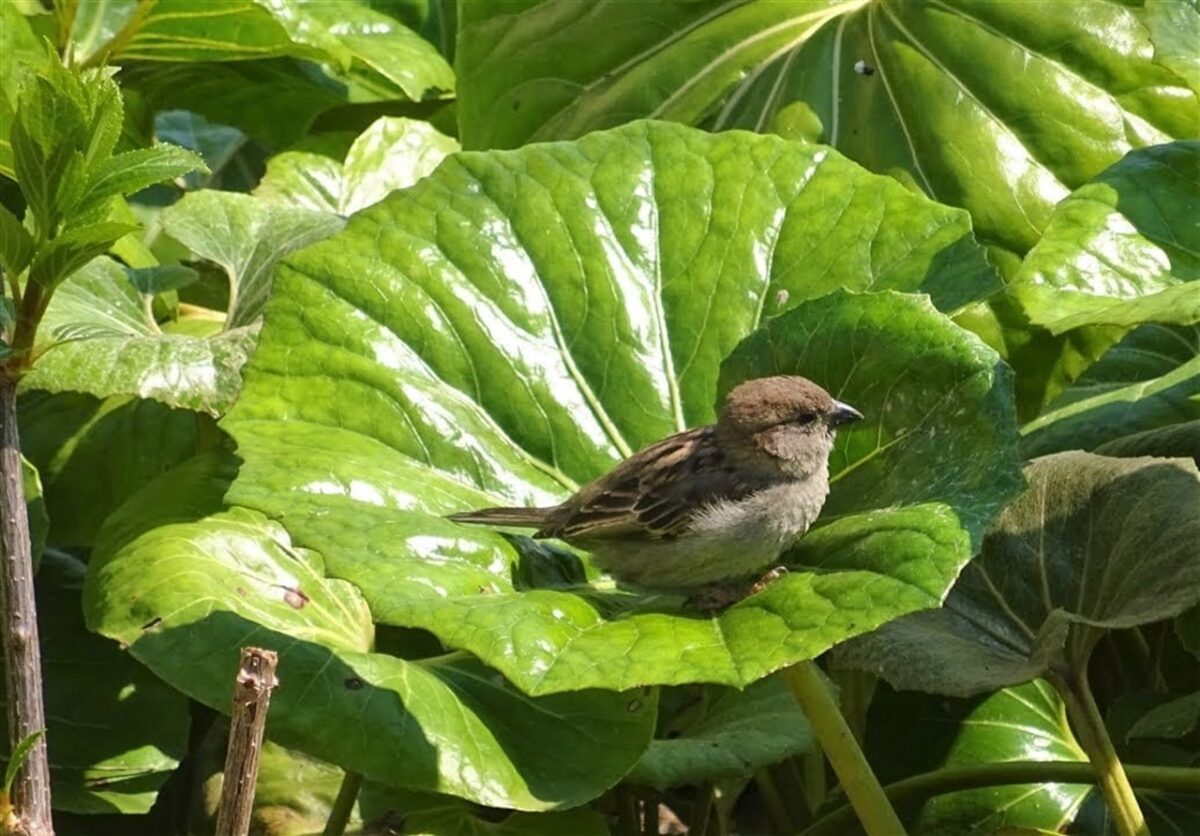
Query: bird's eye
column 806, row 418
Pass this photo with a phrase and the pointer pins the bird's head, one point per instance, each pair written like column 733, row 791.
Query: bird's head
column 786, row 420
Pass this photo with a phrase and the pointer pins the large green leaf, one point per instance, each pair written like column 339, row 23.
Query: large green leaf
column 393, row 153
column 718, row 733
column 938, row 401
column 1122, row 250
column 516, row 322
column 914, row 733
column 247, row 238
column 186, row 595
column 274, row 100
column 205, row 30
column 1094, row 543
column 1000, row 107
column 381, row 58
column 92, row 454
column 115, row 732
column 100, row 338
column 1148, row 381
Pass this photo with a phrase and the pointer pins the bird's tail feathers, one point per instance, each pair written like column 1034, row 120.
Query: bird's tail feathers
column 502, row 516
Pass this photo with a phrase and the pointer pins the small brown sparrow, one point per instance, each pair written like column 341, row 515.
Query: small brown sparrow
column 709, row 504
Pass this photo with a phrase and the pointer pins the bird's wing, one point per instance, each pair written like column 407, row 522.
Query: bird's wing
column 654, row 494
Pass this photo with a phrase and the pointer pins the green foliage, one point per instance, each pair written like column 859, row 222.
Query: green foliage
column 999, row 107
column 115, row 731
column 1121, row 250
column 1094, row 544
column 270, row 324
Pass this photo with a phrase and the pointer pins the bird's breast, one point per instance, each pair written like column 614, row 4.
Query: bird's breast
column 777, row 514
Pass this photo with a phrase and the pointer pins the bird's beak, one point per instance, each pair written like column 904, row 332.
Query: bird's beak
column 843, row 413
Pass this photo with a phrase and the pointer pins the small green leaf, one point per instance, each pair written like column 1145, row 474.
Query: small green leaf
column 67, row 122
column 246, row 237
column 1123, row 249
column 98, row 337
column 1094, row 544
column 21, row 54
column 16, row 244
column 18, row 756
column 8, row 316
column 393, row 153
column 719, row 733
column 133, row 171
column 70, row 251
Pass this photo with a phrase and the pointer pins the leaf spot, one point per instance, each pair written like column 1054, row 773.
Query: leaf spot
column 353, row 683
column 295, row 598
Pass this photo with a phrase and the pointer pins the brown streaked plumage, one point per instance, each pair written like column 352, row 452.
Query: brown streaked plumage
column 707, row 504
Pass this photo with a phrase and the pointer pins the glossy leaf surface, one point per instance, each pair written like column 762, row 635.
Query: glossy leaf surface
column 1094, row 543
column 1122, row 250
column 1000, row 107
column 393, row 153
column 247, row 238
column 515, row 323
column 914, row 733
column 100, row 339
column 187, row 595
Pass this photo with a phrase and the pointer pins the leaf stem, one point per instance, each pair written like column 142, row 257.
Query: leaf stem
column 701, row 809
column 958, row 778
column 1089, row 728
column 855, row 774
column 343, row 805
column 773, row 804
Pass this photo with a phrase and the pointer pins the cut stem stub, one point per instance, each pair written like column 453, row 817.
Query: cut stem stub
column 251, row 698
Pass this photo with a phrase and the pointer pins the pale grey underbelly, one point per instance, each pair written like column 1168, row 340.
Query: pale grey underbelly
column 730, row 540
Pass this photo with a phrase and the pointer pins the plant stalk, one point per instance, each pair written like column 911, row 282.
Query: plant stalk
column 251, row 699
column 343, row 805
column 1089, row 728
column 19, row 631
column 701, row 809
column 832, row 732
column 773, row 804
column 958, row 778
